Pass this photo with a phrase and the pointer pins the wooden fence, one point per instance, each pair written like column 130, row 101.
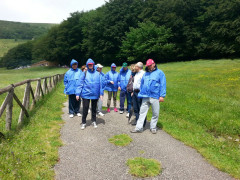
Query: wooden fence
column 41, row 89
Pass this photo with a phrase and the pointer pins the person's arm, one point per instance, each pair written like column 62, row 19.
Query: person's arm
column 162, row 87
column 79, row 85
column 65, row 81
column 107, row 78
column 119, row 82
column 102, row 82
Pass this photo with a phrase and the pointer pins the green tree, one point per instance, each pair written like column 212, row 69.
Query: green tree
column 148, row 41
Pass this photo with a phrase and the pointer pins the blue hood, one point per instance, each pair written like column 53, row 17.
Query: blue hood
column 113, row 66
column 73, row 62
column 90, row 61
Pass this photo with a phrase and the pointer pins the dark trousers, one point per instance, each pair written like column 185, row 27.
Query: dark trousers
column 73, row 104
column 110, row 94
column 124, row 94
column 86, row 107
column 137, row 102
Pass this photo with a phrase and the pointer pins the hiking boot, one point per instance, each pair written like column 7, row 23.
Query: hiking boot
column 136, row 131
column 108, row 110
column 71, row 115
column 94, row 124
column 83, row 126
column 154, row 131
column 127, row 115
column 100, row 114
column 79, row 115
column 121, row 112
column 115, row 109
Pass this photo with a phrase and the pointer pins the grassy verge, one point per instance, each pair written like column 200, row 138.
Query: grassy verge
column 32, row 152
column 202, row 109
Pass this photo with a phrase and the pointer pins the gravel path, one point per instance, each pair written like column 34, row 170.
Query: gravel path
column 87, row 154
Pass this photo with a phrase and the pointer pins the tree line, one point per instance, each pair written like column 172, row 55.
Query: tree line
column 134, row 30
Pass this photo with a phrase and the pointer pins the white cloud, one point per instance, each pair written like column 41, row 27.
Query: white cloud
column 45, row 11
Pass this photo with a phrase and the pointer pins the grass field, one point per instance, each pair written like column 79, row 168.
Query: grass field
column 12, row 76
column 202, row 109
column 32, row 151
column 6, row 44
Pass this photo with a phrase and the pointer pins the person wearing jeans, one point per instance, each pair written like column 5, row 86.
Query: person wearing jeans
column 152, row 91
column 136, row 89
column 89, row 87
column 100, row 101
column 70, row 79
column 112, row 81
column 124, row 77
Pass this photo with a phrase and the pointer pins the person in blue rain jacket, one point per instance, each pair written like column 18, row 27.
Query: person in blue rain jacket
column 70, row 79
column 124, row 77
column 89, row 88
column 152, row 91
column 112, row 83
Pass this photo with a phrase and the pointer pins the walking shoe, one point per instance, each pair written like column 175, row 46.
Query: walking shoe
column 89, row 111
column 127, row 115
column 136, row 131
column 154, row 131
column 121, row 112
column 94, row 124
column 100, row 114
column 71, row 115
column 115, row 109
column 79, row 115
column 83, row 126
column 134, row 123
column 108, row 110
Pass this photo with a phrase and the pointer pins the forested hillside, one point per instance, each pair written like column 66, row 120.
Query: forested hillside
column 18, row 30
column 133, row 30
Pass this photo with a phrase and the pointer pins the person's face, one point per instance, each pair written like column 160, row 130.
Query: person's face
column 99, row 69
column 151, row 67
column 114, row 68
column 125, row 68
column 90, row 66
column 137, row 69
column 74, row 66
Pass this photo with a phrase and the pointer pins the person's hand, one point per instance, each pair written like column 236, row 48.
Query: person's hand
column 101, row 97
column 111, row 82
column 77, row 98
column 132, row 94
column 119, row 88
column 161, row 99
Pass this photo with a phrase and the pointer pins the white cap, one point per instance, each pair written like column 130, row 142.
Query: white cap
column 99, row 66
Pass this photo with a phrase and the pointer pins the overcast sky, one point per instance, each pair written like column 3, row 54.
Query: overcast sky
column 44, row 11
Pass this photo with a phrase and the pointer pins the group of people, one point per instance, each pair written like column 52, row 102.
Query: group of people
column 140, row 88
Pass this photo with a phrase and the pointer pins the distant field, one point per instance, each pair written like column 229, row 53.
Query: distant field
column 6, row 44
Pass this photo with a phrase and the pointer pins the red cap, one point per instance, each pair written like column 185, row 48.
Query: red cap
column 149, row 62
column 90, row 63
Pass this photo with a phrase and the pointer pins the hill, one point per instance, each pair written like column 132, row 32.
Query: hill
column 18, row 30
column 6, row 44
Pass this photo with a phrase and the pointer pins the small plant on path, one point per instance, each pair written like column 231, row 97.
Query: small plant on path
column 121, row 140
column 142, row 167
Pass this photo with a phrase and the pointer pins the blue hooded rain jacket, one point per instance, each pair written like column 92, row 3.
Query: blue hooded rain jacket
column 153, row 84
column 90, row 83
column 112, row 76
column 124, row 77
column 70, row 79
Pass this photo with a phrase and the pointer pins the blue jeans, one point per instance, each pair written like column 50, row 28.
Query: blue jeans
column 136, row 104
column 124, row 94
column 73, row 104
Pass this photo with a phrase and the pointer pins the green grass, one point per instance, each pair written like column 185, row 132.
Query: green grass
column 32, row 151
column 141, row 167
column 12, row 76
column 202, row 109
column 6, row 44
column 121, row 140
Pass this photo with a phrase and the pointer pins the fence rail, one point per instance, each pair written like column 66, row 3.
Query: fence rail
column 48, row 84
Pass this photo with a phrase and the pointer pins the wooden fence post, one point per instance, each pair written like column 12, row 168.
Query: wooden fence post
column 25, row 101
column 9, row 111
